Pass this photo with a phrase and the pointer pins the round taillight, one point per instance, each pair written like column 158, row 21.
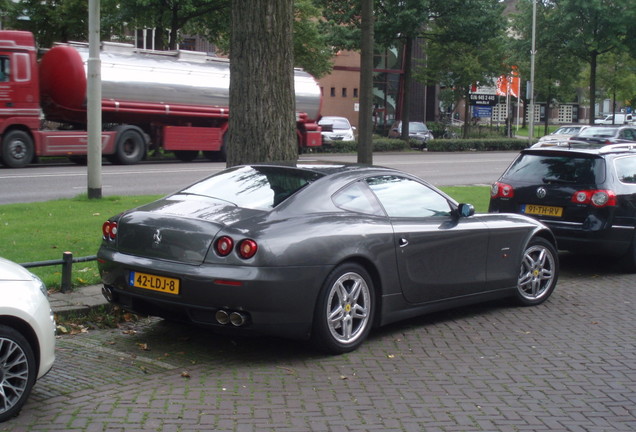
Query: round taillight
column 247, row 248
column 599, row 199
column 501, row 190
column 224, row 245
column 109, row 230
column 580, row 197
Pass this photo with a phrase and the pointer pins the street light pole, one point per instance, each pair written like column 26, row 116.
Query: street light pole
column 531, row 90
column 94, row 103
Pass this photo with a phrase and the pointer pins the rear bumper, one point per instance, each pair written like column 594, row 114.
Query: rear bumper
column 278, row 301
column 613, row 240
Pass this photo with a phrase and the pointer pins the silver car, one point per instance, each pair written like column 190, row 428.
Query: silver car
column 320, row 251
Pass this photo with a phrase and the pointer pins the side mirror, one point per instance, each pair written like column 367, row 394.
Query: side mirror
column 465, row 210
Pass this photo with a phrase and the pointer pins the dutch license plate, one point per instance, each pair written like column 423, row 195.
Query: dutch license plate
column 155, row 283
column 543, row 210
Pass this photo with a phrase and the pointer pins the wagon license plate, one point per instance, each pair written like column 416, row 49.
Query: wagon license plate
column 155, row 283
column 543, row 210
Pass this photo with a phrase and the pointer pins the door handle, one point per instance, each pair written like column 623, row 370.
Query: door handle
column 403, row 242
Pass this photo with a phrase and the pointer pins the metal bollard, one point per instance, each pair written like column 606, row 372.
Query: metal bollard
column 67, row 271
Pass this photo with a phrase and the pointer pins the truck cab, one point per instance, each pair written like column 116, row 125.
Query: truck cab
column 19, row 90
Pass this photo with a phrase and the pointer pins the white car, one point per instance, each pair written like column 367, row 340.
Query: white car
column 336, row 129
column 616, row 119
column 560, row 136
column 27, row 336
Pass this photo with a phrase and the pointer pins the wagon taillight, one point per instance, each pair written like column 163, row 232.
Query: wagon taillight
column 501, row 190
column 595, row 197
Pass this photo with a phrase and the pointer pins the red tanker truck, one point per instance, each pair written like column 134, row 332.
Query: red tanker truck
column 177, row 101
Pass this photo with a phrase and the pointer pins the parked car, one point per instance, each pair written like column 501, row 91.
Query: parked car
column 417, row 131
column 616, row 119
column 605, row 135
column 560, row 136
column 318, row 250
column 27, row 336
column 336, row 129
column 587, row 196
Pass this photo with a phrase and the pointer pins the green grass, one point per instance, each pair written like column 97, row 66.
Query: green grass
column 45, row 230
column 539, row 130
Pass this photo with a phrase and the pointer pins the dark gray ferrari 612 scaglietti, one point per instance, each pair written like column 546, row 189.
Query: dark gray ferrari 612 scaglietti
column 320, row 251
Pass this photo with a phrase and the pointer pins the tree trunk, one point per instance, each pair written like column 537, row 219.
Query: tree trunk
column 262, row 124
column 593, row 87
column 365, row 121
column 406, row 98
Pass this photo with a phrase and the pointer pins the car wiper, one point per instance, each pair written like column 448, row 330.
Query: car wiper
column 556, row 180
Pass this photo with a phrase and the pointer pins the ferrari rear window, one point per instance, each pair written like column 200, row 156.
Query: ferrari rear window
column 533, row 168
column 257, row 187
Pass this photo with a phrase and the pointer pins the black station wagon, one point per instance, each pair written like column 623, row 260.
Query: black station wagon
column 586, row 195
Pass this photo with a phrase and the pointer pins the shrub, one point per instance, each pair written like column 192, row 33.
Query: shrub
column 489, row 144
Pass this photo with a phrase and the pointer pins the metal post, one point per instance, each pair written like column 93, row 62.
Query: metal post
column 94, row 103
column 532, row 54
column 67, row 271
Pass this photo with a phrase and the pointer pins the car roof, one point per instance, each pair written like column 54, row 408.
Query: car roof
column 325, row 167
column 574, row 147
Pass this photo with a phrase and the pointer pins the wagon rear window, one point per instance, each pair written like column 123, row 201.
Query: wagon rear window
column 557, row 168
column 260, row 187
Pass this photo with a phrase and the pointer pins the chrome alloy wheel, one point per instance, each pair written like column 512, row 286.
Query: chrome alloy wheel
column 14, row 374
column 348, row 308
column 538, row 272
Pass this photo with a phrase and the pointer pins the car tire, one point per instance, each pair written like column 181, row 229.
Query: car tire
column 538, row 273
column 17, row 372
column 344, row 310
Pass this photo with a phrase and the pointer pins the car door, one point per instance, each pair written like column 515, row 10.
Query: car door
column 439, row 255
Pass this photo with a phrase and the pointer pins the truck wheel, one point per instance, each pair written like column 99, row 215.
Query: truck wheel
column 131, row 147
column 216, row 156
column 186, row 155
column 17, row 372
column 17, row 149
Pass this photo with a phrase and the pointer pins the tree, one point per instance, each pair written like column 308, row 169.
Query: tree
column 312, row 49
column 365, row 141
column 617, row 72
column 262, row 123
column 396, row 23
column 168, row 17
column 51, row 20
column 460, row 52
column 557, row 69
column 590, row 28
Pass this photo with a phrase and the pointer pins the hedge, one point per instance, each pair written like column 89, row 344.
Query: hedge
column 487, row 144
column 436, row 145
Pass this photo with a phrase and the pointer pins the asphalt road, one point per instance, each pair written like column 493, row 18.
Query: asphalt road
column 566, row 365
column 65, row 180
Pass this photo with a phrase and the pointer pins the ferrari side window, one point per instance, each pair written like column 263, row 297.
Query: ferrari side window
column 357, row 198
column 403, row 197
